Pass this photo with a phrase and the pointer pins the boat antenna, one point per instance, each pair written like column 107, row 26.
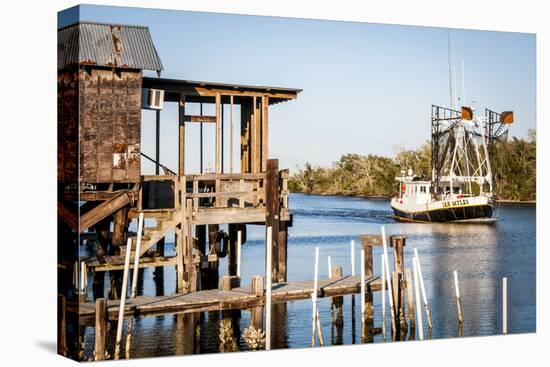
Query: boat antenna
column 450, row 68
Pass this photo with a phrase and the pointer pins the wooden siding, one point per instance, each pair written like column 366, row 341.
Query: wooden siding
column 110, row 123
column 67, row 126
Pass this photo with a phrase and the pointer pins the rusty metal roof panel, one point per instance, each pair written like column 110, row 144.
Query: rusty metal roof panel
column 124, row 46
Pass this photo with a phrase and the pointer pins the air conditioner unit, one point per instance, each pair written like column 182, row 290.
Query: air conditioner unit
column 152, row 99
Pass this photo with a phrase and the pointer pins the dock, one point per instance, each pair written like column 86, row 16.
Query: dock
column 220, row 300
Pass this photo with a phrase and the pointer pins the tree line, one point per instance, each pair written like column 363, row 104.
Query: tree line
column 513, row 164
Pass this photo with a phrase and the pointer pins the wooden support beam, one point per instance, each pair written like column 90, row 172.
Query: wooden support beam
column 201, row 119
column 231, row 132
column 181, row 238
column 232, row 250
column 201, row 144
column 61, row 325
column 282, row 256
column 103, row 210
column 100, row 328
column 265, row 136
column 246, row 135
column 218, row 133
column 272, row 213
column 190, row 267
column 257, row 139
column 157, row 142
column 181, row 140
column 68, row 216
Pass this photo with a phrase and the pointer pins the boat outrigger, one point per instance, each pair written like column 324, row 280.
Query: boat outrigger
column 461, row 186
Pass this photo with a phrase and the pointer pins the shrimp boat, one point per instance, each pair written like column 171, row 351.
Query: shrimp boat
column 461, row 186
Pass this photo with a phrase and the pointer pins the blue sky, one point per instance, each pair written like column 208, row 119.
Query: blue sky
column 367, row 88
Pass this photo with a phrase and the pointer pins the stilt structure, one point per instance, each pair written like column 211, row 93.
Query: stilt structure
column 101, row 186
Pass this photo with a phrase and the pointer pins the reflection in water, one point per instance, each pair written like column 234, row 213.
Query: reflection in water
column 481, row 254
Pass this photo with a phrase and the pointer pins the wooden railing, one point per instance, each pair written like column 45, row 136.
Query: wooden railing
column 233, row 190
column 240, row 190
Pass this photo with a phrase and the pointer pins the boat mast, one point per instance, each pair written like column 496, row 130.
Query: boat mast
column 451, row 94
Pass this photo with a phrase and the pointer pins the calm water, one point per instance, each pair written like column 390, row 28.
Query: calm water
column 482, row 255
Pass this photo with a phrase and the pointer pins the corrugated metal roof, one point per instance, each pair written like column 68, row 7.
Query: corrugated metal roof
column 111, row 45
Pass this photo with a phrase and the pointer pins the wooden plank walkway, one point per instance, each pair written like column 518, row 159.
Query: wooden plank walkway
column 217, row 300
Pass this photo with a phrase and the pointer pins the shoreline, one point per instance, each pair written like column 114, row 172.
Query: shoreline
column 384, row 197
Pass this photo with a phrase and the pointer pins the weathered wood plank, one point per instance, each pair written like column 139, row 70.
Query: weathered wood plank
column 104, row 209
column 238, row 297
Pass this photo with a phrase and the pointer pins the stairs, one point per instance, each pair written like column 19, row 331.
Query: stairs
column 151, row 235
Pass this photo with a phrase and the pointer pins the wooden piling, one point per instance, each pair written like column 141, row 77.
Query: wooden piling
column 257, row 313
column 100, row 328
column 417, row 293
column 423, row 289
column 410, row 298
column 268, row 279
column 352, row 258
column 272, row 215
column 239, row 246
column 388, row 279
column 61, row 325
column 314, row 297
column 505, row 305
column 319, row 329
column 362, row 286
column 257, row 285
column 383, row 295
column 123, row 299
column 457, row 295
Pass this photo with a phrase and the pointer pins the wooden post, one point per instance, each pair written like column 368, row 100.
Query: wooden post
column 505, row 305
column 100, row 328
column 246, row 133
column 362, row 286
column 417, row 293
column 410, row 297
column 398, row 243
column 352, row 258
column 388, row 279
column 268, row 278
column 319, row 328
column 190, row 266
column 423, row 289
column 134, row 283
column 182, row 237
column 61, row 325
column 119, row 229
column 282, row 255
column 232, row 250
column 257, row 285
column 218, row 134
column 123, row 298
column 383, row 263
column 458, row 304
column 136, row 258
column 338, row 302
column 314, row 297
column 157, row 142
column 272, row 214
column 231, row 146
column 181, row 137
column 239, row 244
column 257, row 313
column 83, row 281
column 201, row 144
column 265, row 135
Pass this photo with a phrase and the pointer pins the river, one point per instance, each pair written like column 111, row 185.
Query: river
column 482, row 254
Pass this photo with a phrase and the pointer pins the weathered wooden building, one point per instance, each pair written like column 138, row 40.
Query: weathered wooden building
column 101, row 188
